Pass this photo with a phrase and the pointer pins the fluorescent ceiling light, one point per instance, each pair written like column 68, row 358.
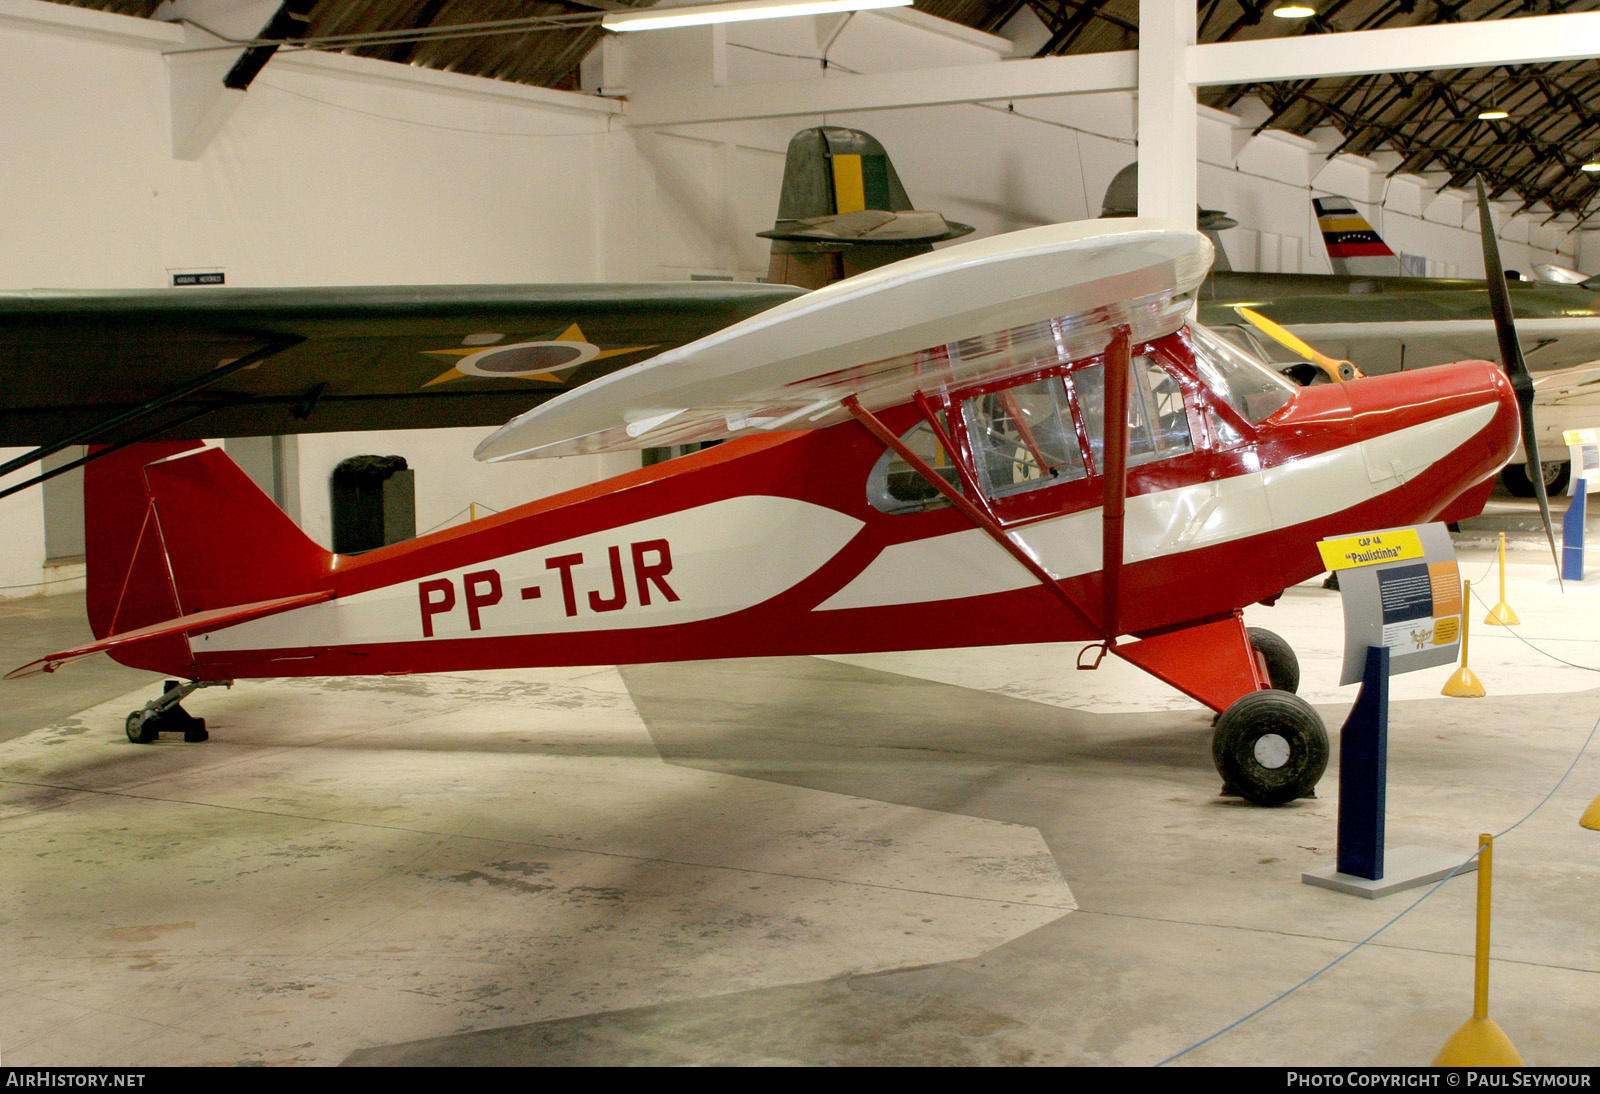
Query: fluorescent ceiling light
column 739, row 12
column 1294, row 11
column 1590, row 167
column 1492, row 115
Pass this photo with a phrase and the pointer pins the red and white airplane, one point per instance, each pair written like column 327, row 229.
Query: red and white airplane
column 1017, row 439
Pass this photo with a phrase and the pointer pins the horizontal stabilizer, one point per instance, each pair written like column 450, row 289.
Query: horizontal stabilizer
column 197, row 623
column 870, row 226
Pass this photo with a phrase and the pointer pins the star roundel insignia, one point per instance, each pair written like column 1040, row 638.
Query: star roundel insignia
column 549, row 362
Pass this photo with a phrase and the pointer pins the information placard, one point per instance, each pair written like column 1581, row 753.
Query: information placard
column 1583, row 448
column 1401, row 590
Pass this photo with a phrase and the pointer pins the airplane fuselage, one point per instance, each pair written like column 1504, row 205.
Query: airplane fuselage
column 787, row 544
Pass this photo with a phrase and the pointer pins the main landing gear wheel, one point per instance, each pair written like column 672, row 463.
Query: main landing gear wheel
column 1515, row 477
column 1270, row 748
column 1283, row 667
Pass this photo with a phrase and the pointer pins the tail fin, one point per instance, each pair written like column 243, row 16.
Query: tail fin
column 176, row 528
column 1353, row 246
column 1122, row 200
column 843, row 210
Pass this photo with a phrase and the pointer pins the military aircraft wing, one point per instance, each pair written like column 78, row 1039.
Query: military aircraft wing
column 210, row 362
column 985, row 310
column 1385, row 324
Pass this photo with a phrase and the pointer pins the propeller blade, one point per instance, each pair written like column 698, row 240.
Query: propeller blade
column 1516, row 368
column 1333, row 366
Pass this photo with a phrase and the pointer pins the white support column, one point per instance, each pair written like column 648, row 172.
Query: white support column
column 200, row 104
column 1167, row 111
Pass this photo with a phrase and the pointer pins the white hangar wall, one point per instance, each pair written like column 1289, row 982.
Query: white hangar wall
column 1005, row 165
column 332, row 171
column 341, row 171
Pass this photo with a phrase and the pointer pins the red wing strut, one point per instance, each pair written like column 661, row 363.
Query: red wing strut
column 1114, row 502
column 967, row 509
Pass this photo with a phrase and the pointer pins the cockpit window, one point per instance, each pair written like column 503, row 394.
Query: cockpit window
column 1158, row 423
column 1023, row 438
column 1248, row 385
column 896, row 487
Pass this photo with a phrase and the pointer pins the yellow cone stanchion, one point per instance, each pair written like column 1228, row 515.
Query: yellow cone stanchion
column 1479, row 1042
column 1591, row 816
column 1502, row 615
column 1464, row 683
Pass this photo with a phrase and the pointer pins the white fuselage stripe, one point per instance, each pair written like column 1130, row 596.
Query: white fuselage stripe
column 683, row 567
column 1164, row 523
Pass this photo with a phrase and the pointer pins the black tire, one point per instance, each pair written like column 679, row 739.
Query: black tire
column 1519, row 485
column 1270, row 748
column 141, row 730
column 1283, row 667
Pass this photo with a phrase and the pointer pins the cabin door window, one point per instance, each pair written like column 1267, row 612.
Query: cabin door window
column 1022, row 438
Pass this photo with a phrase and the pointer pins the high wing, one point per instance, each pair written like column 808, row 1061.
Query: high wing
column 986, row 310
column 226, row 362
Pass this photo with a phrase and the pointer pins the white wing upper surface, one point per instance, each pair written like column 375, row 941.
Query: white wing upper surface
column 988, row 309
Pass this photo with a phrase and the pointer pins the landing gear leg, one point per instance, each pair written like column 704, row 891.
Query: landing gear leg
column 1270, row 747
column 165, row 715
column 1283, row 667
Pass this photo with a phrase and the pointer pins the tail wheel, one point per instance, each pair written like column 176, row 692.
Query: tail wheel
column 1270, row 747
column 141, row 730
column 1283, row 667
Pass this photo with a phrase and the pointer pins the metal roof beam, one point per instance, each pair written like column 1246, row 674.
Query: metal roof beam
column 1066, row 30
column 205, row 85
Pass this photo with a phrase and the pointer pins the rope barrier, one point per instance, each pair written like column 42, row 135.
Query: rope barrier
column 1275, row 1000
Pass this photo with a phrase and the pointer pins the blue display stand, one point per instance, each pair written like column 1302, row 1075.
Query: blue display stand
column 1572, row 529
column 1364, row 867
column 1364, row 772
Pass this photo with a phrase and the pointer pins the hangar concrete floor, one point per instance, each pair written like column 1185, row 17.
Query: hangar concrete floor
column 953, row 857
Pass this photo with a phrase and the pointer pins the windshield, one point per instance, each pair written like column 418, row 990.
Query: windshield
column 1248, row 385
